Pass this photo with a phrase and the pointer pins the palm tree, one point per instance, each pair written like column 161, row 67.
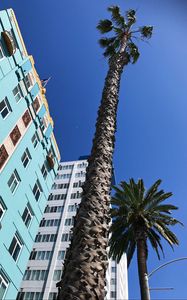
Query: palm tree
column 86, row 259
column 140, row 216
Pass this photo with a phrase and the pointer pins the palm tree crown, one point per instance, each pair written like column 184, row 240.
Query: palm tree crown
column 123, row 37
column 139, row 214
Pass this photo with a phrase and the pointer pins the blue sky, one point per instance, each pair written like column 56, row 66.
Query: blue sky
column 151, row 140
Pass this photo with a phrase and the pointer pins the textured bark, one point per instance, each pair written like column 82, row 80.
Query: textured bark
column 142, row 267
column 86, row 259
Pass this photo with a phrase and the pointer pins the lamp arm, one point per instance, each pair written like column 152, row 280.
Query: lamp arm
column 167, row 263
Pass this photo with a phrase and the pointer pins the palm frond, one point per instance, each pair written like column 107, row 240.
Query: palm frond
column 121, row 244
column 110, row 51
column 117, row 18
column 154, row 239
column 134, row 53
column 105, row 42
column 140, row 215
column 104, row 26
column 165, row 208
column 150, row 192
column 167, row 234
column 157, row 198
column 146, row 31
column 131, row 17
column 141, row 189
column 130, row 252
column 128, row 191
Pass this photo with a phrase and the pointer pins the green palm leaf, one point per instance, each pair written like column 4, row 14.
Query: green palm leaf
column 104, row 26
column 122, row 42
column 117, row 18
column 140, row 215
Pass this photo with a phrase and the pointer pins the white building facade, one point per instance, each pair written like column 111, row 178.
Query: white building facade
column 46, row 260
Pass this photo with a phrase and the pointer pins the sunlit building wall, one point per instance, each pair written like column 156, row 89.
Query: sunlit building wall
column 29, row 155
column 46, row 260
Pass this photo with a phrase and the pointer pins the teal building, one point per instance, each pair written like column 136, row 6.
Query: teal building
column 29, row 155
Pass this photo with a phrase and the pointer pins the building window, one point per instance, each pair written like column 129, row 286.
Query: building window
column 78, row 184
column 113, row 294
column 3, row 285
column 65, row 167
column 113, row 281
column 35, row 140
column 49, row 222
column 26, row 157
column 35, row 275
column 30, row 296
column 52, row 296
column 53, row 209
column 60, row 186
column 1, row 52
column 44, row 238
column 72, row 208
column 37, row 190
column 15, row 247
column 82, row 165
column 29, row 80
column 3, row 155
column 2, row 208
column 44, row 171
column 40, row 255
column 80, row 174
column 36, row 104
column 27, row 215
column 18, row 95
column 57, row 275
column 69, row 222
column 15, row 135
column 76, row 195
column 44, row 122
column 5, row 108
column 65, row 237
column 113, row 269
column 61, row 255
column 26, row 118
column 14, row 181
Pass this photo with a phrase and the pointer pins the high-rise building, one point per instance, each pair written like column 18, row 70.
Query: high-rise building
column 29, row 155
column 45, row 264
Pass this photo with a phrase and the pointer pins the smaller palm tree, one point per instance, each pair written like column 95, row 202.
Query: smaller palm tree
column 140, row 216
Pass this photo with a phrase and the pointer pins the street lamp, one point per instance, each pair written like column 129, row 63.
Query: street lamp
column 147, row 276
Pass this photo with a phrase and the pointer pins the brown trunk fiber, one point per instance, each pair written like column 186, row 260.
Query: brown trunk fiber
column 142, row 268
column 86, row 260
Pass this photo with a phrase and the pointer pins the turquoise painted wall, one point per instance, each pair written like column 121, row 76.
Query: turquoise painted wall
column 12, row 70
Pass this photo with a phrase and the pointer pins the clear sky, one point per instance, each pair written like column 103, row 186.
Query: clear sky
column 151, row 140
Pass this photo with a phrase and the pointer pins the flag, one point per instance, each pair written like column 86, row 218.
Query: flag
column 44, row 82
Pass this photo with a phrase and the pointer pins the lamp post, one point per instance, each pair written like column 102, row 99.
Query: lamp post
column 147, row 276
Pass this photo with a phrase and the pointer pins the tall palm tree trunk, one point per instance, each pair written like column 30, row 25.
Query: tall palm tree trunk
column 86, row 259
column 142, row 268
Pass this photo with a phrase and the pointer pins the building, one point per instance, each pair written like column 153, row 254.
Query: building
column 45, row 264
column 29, row 155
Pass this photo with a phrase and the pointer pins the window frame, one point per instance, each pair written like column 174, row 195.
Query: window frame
column 20, row 93
column 16, row 180
column 38, row 190
column 27, row 158
column 29, row 80
column 44, row 171
column 35, row 140
column 6, row 107
column 3, row 281
column 13, row 245
column 29, row 215
column 3, row 208
column 57, row 274
column 2, row 51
